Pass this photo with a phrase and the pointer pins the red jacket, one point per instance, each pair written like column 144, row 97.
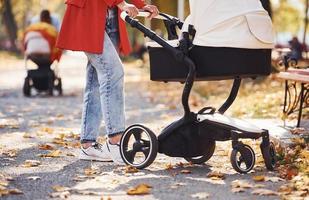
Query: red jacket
column 83, row 26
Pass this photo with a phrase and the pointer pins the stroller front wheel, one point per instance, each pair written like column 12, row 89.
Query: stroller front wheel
column 243, row 158
column 138, row 146
column 269, row 156
column 27, row 87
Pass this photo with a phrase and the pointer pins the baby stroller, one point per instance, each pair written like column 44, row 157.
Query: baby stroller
column 44, row 78
column 193, row 137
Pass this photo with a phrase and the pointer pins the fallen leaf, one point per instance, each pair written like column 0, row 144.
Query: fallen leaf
column 10, row 153
column 4, row 183
column 61, row 195
column 241, row 184
column 260, row 178
column 264, row 192
column 4, row 191
column 185, row 171
column 169, row 166
column 46, row 147
column 200, row 195
column 31, row 163
column 47, row 130
column 52, row 154
column 259, row 186
column 59, row 188
column 27, row 135
column 141, row 189
column 70, row 154
column 91, row 171
column 15, row 191
column 216, row 175
column 131, row 169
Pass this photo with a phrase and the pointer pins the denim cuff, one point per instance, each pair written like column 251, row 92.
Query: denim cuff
column 115, row 134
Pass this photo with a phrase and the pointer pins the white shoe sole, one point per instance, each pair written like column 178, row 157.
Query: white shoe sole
column 94, row 158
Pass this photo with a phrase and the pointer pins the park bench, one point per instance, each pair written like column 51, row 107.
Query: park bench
column 296, row 94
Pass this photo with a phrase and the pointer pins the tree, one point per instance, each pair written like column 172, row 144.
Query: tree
column 9, row 23
column 287, row 18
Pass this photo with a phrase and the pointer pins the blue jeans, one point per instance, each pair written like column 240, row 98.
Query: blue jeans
column 104, row 96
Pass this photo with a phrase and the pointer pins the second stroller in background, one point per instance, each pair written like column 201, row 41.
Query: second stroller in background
column 39, row 45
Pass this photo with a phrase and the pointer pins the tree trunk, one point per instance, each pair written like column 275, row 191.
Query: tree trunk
column 9, row 23
column 306, row 22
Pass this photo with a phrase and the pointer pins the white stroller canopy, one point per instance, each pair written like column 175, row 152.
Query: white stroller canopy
column 36, row 43
column 231, row 23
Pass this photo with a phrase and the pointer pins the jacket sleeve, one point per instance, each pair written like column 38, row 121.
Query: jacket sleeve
column 138, row 3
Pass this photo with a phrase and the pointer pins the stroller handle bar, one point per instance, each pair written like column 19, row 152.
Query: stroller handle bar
column 143, row 13
column 178, row 54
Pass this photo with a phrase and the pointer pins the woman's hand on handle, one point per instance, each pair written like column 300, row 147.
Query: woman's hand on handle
column 129, row 8
column 152, row 9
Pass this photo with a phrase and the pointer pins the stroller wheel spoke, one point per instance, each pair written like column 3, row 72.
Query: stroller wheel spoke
column 131, row 154
column 146, row 151
column 146, row 143
column 137, row 134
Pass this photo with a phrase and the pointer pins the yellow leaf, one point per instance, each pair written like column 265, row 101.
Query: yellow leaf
column 4, row 191
column 185, row 171
column 169, row 166
column 10, row 153
column 59, row 188
column 46, row 147
column 70, row 154
column 27, row 135
column 52, row 154
column 141, row 189
column 31, row 163
column 216, row 175
column 61, row 195
column 258, row 178
column 131, row 169
column 15, row 191
column 47, row 130
column 4, row 183
column 241, row 184
column 91, row 171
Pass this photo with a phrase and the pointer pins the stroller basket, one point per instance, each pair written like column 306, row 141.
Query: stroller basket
column 212, row 63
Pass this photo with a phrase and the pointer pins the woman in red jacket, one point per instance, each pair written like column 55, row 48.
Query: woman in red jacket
column 94, row 26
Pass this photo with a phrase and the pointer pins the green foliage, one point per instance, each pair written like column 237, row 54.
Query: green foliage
column 287, row 18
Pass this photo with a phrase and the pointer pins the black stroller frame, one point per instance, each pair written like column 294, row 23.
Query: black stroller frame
column 195, row 145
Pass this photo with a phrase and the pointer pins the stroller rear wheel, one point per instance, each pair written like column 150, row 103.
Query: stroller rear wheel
column 138, row 146
column 269, row 155
column 243, row 158
column 59, row 86
column 209, row 151
column 27, row 87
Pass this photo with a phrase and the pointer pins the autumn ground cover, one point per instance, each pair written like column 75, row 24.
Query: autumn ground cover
column 39, row 142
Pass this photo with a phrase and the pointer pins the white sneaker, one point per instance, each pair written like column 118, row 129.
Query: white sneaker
column 114, row 151
column 97, row 152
